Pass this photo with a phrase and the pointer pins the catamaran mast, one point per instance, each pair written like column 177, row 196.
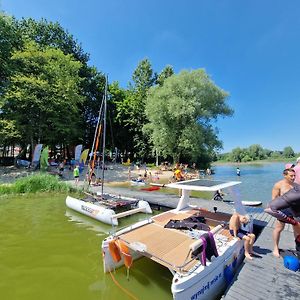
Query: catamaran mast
column 104, row 133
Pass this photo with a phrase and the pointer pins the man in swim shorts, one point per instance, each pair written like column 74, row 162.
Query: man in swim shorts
column 285, row 206
column 235, row 230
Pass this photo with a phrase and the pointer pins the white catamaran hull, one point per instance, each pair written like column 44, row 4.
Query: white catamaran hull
column 94, row 211
column 209, row 282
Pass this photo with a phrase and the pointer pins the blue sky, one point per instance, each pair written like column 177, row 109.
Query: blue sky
column 249, row 48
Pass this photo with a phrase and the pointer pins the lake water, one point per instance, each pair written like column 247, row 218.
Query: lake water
column 257, row 179
column 50, row 252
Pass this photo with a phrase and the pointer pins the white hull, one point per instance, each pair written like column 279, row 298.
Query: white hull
column 94, row 211
column 102, row 213
column 209, row 282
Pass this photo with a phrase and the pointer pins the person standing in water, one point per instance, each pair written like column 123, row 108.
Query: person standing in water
column 238, row 171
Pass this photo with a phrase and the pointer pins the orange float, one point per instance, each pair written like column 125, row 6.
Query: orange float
column 114, row 251
column 125, row 252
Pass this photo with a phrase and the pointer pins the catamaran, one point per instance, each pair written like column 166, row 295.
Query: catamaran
column 105, row 208
column 193, row 243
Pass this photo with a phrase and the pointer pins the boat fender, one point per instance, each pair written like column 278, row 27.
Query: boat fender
column 125, row 253
column 114, row 251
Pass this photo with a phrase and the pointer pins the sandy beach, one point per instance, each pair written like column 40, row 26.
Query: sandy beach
column 115, row 173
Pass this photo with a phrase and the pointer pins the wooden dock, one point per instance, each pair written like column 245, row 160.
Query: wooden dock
column 262, row 278
column 266, row 277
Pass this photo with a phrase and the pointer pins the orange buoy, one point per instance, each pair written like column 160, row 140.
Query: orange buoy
column 114, row 251
column 126, row 254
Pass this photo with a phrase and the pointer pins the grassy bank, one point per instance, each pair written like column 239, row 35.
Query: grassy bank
column 36, row 183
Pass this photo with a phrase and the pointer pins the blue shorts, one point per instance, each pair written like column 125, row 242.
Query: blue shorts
column 241, row 233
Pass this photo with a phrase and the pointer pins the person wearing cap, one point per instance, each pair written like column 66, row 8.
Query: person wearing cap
column 280, row 208
column 297, row 170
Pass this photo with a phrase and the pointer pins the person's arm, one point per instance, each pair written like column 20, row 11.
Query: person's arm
column 276, row 191
column 233, row 225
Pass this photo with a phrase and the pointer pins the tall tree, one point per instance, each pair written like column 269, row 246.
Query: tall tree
column 92, row 82
column 132, row 110
column 9, row 41
column 164, row 74
column 180, row 114
column 43, row 96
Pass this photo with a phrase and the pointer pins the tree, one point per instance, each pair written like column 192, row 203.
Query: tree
column 256, row 152
column 9, row 41
column 43, row 97
column 132, row 110
column 180, row 114
column 165, row 73
column 288, row 152
column 91, row 85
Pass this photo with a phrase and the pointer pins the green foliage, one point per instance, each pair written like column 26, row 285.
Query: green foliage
column 180, row 114
column 132, row 109
column 288, row 152
column 9, row 41
column 36, row 183
column 165, row 73
column 9, row 134
column 43, row 96
column 256, row 152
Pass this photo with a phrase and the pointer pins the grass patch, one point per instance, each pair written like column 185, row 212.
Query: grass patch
column 36, row 183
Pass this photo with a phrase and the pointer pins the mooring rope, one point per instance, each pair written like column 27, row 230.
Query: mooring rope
column 122, row 288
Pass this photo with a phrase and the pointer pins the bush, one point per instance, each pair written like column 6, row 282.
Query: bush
column 36, row 183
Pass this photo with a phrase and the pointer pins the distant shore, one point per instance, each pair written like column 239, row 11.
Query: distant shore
column 254, row 162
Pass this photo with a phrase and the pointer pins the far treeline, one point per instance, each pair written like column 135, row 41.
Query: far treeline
column 50, row 94
column 257, row 152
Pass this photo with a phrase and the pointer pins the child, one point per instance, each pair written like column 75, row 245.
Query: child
column 235, row 230
column 76, row 174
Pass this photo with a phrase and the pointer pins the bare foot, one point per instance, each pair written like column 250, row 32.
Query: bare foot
column 248, row 256
column 276, row 253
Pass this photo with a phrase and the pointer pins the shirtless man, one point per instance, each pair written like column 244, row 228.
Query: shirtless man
column 235, row 230
column 280, row 188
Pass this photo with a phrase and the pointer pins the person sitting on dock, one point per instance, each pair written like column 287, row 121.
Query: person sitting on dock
column 235, row 230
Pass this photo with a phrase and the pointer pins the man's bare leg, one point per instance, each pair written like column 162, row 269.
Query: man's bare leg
column 247, row 246
column 279, row 226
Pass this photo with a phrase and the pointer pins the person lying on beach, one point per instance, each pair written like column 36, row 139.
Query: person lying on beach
column 235, row 230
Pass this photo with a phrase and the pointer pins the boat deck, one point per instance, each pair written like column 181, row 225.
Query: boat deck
column 264, row 277
column 171, row 247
